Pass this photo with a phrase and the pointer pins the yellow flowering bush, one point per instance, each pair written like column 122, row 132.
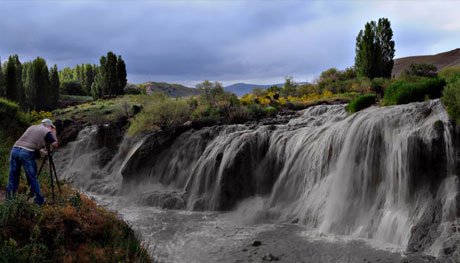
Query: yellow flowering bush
column 37, row 116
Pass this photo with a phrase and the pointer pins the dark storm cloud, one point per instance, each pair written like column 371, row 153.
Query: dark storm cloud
column 186, row 42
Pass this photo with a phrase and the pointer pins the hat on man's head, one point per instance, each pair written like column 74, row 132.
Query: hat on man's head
column 48, row 122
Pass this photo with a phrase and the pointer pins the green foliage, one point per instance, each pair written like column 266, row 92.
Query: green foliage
column 401, row 92
column 375, row 50
column 110, row 78
column 449, row 72
column 54, row 85
column 451, row 97
column 421, row 70
column 14, row 90
column 270, row 111
column 160, row 111
column 74, row 98
column 335, row 81
column 133, row 90
column 361, row 102
column 73, row 230
column 2, row 81
column 72, row 87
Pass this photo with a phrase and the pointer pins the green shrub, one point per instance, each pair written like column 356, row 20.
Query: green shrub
column 451, row 97
column 401, row 92
column 160, row 112
column 75, row 98
column 449, row 72
column 8, row 107
column 361, row 102
column 256, row 111
column 270, row 111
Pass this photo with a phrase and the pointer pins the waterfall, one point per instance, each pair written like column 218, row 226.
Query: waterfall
column 374, row 174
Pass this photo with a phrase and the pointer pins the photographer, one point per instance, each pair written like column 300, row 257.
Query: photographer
column 24, row 153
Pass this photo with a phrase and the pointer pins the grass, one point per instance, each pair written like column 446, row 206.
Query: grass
column 74, row 229
column 99, row 111
column 160, row 111
column 402, row 92
column 451, row 97
column 75, row 98
column 361, row 102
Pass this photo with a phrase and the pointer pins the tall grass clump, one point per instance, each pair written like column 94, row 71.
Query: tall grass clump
column 402, row 92
column 361, row 102
column 451, row 97
column 160, row 111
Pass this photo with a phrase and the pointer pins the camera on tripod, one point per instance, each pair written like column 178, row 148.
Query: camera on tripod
column 48, row 156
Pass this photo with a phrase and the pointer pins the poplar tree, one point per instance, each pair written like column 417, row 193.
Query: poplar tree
column 13, row 77
column 54, row 86
column 2, row 83
column 121, row 75
column 88, row 78
column 375, row 50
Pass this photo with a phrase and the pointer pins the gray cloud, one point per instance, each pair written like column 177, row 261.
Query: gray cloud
column 186, row 42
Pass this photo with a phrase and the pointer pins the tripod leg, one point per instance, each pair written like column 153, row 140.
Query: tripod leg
column 51, row 177
column 41, row 167
column 55, row 174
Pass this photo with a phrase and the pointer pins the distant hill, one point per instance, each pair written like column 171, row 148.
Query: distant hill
column 174, row 90
column 441, row 60
column 242, row 88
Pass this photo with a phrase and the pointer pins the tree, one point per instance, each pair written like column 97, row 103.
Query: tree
column 375, row 50
column 38, row 89
column 13, row 80
column 2, row 83
column 88, row 78
column 210, row 91
column 121, row 75
column 54, row 86
column 422, row 70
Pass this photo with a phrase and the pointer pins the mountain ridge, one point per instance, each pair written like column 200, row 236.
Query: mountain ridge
column 441, row 60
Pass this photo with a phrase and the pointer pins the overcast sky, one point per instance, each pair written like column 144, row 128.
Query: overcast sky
column 187, row 42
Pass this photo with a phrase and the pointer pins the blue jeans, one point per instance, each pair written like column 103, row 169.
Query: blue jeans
column 25, row 158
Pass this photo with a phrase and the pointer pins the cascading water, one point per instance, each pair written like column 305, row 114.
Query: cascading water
column 374, row 174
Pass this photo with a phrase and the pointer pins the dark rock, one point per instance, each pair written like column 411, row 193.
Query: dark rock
column 172, row 200
column 270, row 257
column 256, row 243
column 136, row 109
column 426, row 231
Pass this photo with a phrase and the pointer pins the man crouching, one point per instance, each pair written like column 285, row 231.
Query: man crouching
column 23, row 154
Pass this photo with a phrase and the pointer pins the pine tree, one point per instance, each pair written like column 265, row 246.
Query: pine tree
column 375, row 50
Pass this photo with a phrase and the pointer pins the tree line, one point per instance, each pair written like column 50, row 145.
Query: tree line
column 34, row 86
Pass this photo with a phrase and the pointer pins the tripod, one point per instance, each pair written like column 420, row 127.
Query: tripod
column 52, row 170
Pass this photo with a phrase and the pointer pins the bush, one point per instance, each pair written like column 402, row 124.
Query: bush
column 75, row 98
column 451, row 97
column 8, row 107
column 401, row 92
column 160, row 111
column 361, row 102
column 12, row 120
column 421, row 70
column 270, row 111
column 72, row 88
column 449, row 72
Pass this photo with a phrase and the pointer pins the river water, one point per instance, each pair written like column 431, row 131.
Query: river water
column 324, row 187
